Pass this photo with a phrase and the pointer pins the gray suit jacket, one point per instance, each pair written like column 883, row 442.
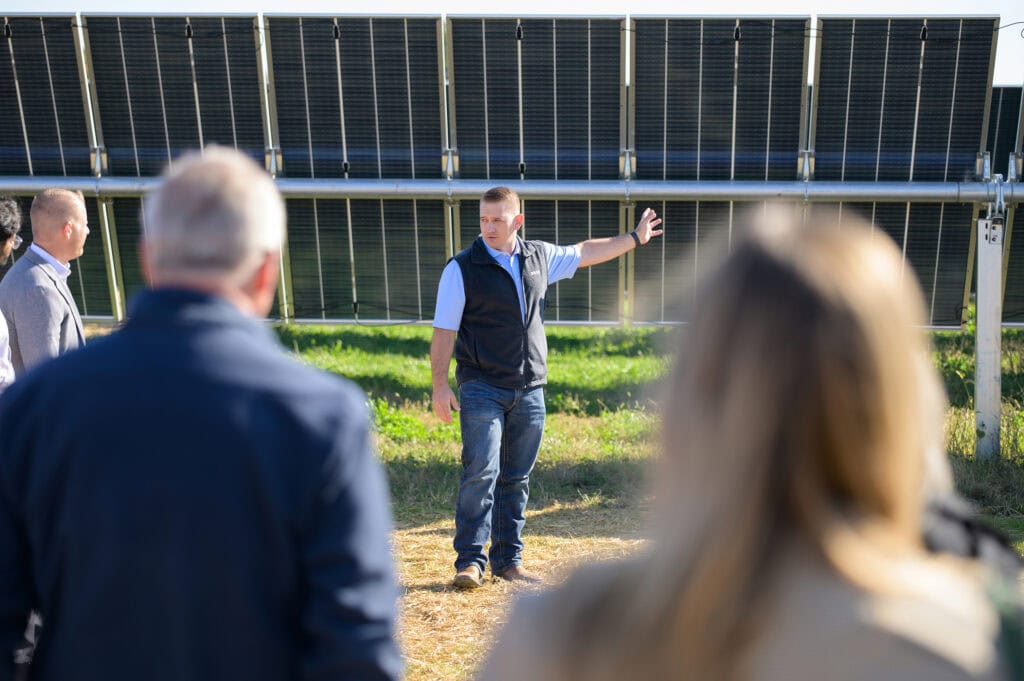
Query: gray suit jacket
column 41, row 313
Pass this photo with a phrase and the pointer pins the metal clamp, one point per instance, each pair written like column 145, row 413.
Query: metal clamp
column 1000, row 188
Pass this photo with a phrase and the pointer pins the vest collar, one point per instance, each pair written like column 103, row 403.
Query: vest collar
column 479, row 255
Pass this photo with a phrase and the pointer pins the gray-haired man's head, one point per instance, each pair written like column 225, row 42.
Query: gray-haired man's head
column 214, row 222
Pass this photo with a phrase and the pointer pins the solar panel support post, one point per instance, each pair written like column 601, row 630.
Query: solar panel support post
column 988, row 332
column 112, row 257
column 627, row 268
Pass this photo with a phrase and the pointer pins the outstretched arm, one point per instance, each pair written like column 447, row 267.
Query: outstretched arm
column 443, row 397
column 594, row 251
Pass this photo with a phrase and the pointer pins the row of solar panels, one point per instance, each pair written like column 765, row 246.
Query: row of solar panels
column 534, row 98
column 897, row 99
column 341, row 267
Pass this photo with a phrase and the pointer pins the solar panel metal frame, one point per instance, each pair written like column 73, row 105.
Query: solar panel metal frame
column 812, row 133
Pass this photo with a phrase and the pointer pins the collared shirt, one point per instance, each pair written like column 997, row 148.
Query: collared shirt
column 61, row 269
column 451, row 293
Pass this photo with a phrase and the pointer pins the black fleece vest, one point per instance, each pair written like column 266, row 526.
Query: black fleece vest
column 494, row 345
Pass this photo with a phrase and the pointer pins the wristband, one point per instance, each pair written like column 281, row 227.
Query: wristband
column 635, row 238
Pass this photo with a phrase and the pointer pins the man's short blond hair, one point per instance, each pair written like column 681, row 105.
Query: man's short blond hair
column 54, row 208
column 214, row 216
column 502, row 195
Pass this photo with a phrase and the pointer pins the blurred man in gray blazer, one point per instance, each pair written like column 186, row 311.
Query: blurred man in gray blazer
column 41, row 313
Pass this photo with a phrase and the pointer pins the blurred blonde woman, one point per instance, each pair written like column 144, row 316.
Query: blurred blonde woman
column 786, row 541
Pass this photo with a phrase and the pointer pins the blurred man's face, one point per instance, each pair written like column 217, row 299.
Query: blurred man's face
column 8, row 247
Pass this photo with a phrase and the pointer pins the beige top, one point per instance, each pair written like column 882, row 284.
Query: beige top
column 818, row 626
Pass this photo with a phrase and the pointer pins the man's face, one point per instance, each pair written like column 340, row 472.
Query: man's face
column 79, row 231
column 499, row 223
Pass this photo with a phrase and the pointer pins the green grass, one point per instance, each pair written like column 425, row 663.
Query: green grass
column 602, row 405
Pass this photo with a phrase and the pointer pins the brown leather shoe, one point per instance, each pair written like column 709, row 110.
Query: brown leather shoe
column 517, row 573
column 468, row 577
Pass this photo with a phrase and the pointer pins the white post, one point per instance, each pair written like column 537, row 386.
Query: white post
column 987, row 373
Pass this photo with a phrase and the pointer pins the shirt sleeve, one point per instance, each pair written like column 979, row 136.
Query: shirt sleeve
column 451, row 298
column 562, row 261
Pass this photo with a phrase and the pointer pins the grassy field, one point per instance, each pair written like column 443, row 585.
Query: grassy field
column 588, row 493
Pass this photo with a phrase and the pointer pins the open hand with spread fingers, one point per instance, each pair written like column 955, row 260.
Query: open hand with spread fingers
column 645, row 229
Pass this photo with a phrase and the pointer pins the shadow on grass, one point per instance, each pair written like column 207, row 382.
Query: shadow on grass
column 561, row 396
column 423, row 493
column 414, row 341
column 369, row 339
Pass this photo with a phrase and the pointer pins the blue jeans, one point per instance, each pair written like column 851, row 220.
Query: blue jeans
column 501, row 433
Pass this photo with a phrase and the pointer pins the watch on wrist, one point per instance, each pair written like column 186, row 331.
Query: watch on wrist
column 635, row 238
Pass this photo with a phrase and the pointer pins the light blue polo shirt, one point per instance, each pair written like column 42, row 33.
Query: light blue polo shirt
column 451, row 293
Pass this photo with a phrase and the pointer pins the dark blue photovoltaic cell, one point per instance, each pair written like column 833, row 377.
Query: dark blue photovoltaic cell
column 937, row 244
column 1013, row 251
column 228, row 84
column 541, row 102
column 1003, row 134
column 789, row 85
column 13, row 158
column 400, row 238
column 716, row 108
column 570, row 91
column 132, row 117
column 899, row 99
column 318, row 229
column 972, row 85
column 664, row 269
column 88, row 281
column 1004, row 120
column 692, row 74
column 51, row 100
column 386, row 122
column 128, row 223
column 147, row 92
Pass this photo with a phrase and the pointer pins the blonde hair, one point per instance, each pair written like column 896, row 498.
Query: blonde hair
column 800, row 409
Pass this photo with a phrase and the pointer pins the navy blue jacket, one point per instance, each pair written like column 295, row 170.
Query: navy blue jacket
column 182, row 501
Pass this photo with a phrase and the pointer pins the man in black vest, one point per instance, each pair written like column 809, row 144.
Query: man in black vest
column 490, row 311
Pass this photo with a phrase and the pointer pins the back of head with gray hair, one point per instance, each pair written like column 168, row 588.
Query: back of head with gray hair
column 214, row 216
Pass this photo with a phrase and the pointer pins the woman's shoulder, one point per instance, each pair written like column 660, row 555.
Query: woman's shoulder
column 938, row 623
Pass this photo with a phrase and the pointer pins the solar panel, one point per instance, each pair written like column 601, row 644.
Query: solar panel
column 537, row 98
column 904, row 100
column 127, row 216
column 357, row 97
column 167, row 85
column 366, row 259
column 718, row 99
column 1005, row 133
column 42, row 121
column 1004, row 124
